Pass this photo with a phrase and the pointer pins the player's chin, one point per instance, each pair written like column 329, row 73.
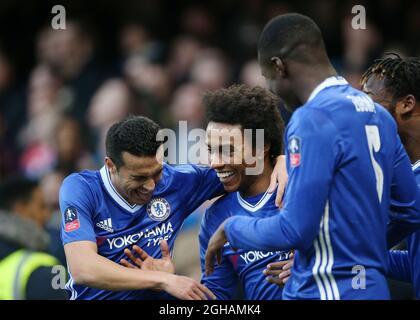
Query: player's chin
column 141, row 198
column 231, row 184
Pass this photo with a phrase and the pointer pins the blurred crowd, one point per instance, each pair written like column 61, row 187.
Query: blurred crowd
column 54, row 116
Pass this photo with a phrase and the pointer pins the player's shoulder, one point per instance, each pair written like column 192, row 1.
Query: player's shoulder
column 218, row 212
column 81, row 182
column 186, row 169
column 82, row 177
column 309, row 120
column 184, row 174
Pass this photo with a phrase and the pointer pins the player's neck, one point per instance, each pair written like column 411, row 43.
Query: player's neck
column 117, row 188
column 410, row 136
column 261, row 182
column 309, row 82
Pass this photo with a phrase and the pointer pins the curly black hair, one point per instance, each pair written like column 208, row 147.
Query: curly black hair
column 402, row 75
column 135, row 135
column 252, row 108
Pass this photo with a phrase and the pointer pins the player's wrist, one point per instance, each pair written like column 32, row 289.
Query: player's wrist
column 162, row 280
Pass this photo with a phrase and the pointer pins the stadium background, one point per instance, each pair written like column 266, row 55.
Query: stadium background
column 60, row 90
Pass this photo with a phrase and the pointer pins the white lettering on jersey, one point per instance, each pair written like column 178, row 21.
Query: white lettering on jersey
column 362, row 103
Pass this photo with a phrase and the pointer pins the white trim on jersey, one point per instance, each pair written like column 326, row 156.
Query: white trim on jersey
column 329, row 82
column 69, row 286
column 114, row 194
column 324, row 260
column 253, row 208
column 416, row 165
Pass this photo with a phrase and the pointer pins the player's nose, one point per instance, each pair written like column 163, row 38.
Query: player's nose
column 149, row 185
column 216, row 161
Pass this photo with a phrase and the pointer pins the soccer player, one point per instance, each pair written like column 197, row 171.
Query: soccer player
column 133, row 199
column 394, row 82
column 345, row 162
column 229, row 112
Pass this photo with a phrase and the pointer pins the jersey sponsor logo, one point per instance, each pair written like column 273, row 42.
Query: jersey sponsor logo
column 294, row 151
column 71, row 219
column 153, row 237
column 105, row 225
column 252, row 256
column 158, row 209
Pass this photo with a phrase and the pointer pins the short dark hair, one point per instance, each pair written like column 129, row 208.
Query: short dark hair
column 16, row 189
column 135, row 135
column 252, row 108
column 284, row 33
column 402, row 75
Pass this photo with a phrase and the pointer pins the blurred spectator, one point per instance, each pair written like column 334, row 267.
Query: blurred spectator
column 136, row 40
column 70, row 53
column 251, row 75
column 22, row 240
column 360, row 46
column 71, row 152
column 148, row 79
column 12, row 107
column 187, row 105
column 211, row 70
column 198, row 21
column 112, row 102
column 44, row 108
column 185, row 50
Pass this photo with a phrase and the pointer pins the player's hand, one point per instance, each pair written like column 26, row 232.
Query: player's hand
column 214, row 248
column 279, row 272
column 186, row 288
column 146, row 262
column 279, row 176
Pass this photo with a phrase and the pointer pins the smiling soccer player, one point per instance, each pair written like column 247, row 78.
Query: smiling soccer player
column 133, row 199
column 229, row 113
column 346, row 166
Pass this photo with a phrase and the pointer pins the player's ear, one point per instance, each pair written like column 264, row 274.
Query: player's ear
column 278, row 65
column 110, row 165
column 406, row 105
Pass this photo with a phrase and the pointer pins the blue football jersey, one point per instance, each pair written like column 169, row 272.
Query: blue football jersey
column 241, row 268
column 404, row 265
column 345, row 162
column 94, row 211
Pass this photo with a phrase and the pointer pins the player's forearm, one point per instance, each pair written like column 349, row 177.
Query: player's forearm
column 256, row 234
column 99, row 272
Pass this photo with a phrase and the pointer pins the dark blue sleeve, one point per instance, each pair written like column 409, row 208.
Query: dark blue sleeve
column 203, row 184
column 314, row 142
column 224, row 280
column 405, row 200
column 77, row 209
column 399, row 265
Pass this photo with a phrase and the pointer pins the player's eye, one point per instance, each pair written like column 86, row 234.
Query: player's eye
column 138, row 178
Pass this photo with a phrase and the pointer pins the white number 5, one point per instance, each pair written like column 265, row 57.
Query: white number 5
column 374, row 144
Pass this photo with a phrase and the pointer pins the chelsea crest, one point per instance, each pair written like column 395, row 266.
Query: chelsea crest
column 158, row 209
